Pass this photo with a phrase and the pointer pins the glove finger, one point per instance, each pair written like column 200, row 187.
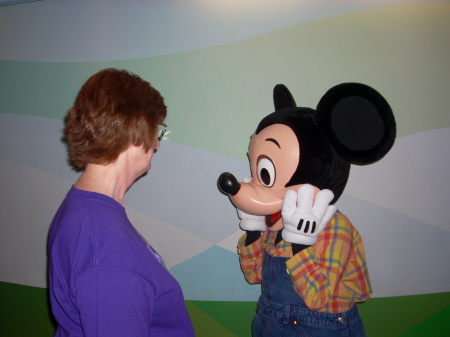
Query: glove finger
column 331, row 211
column 240, row 214
column 323, row 199
column 305, row 197
column 253, row 224
column 289, row 202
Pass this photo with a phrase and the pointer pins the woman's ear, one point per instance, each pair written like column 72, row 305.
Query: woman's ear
column 357, row 121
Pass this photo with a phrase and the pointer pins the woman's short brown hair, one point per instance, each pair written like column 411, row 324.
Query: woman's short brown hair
column 113, row 110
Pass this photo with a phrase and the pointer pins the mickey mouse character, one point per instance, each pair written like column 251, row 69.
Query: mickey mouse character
column 307, row 255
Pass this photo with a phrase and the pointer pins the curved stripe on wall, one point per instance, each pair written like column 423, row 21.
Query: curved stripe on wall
column 401, row 51
column 87, row 30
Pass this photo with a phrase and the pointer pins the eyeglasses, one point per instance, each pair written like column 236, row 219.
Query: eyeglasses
column 162, row 129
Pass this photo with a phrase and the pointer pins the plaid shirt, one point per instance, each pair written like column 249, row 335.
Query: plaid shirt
column 330, row 276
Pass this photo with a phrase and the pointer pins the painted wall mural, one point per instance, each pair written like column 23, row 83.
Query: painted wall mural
column 216, row 63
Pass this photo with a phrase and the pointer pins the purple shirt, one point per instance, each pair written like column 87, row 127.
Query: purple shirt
column 104, row 280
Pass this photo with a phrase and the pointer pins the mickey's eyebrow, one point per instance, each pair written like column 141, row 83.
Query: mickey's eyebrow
column 274, row 141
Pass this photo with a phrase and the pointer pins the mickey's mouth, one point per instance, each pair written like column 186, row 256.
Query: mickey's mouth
column 271, row 219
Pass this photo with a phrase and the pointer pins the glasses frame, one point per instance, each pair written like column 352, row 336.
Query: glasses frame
column 162, row 129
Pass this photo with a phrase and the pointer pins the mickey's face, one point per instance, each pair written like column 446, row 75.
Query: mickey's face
column 294, row 145
column 274, row 156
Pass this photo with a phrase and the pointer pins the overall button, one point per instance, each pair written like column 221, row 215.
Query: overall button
column 341, row 319
column 294, row 322
column 287, row 271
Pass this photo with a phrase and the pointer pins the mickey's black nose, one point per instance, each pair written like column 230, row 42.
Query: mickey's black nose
column 228, row 184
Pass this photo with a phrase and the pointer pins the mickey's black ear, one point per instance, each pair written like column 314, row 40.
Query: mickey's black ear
column 282, row 98
column 358, row 121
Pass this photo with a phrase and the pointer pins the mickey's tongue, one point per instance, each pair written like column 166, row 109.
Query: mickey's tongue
column 271, row 219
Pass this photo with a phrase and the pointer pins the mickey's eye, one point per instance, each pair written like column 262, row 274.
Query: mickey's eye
column 266, row 171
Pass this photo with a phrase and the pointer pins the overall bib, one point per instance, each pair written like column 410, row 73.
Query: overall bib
column 282, row 313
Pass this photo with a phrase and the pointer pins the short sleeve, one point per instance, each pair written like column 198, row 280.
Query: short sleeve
column 251, row 258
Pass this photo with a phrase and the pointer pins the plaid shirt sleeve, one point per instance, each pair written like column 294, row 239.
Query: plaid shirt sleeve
column 332, row 274
column 251, row 258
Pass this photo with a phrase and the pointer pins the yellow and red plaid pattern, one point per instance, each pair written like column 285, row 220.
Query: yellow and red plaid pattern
column 330, row 276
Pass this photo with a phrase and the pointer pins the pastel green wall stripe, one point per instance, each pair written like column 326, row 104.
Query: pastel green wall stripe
column 24, row 312
column 217, row 95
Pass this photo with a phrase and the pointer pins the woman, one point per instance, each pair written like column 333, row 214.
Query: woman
column 105, row 279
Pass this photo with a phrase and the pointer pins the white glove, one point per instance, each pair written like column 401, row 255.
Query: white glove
column 303, row 222
column 250, row 222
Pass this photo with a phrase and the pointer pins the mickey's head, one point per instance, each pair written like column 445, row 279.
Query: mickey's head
column 352, row 124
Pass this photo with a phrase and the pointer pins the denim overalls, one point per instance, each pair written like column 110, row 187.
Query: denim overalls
column 282, row 313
